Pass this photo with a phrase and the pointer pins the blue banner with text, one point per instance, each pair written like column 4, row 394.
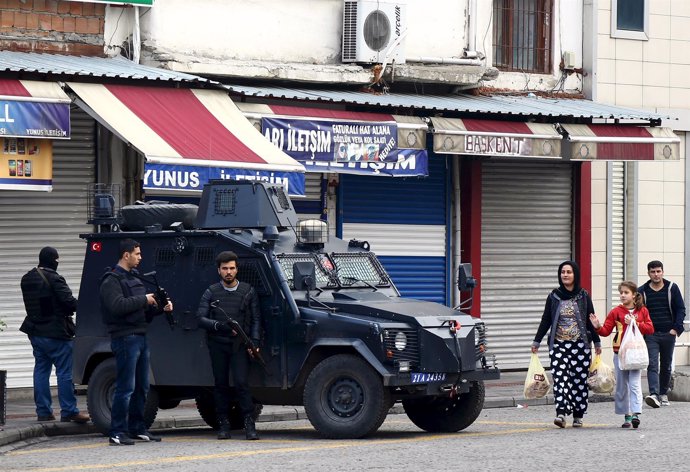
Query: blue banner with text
column 26, row 119
column 193, row 178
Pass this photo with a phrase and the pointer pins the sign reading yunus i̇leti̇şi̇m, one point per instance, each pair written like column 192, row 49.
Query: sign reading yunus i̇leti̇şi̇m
column 145, row 3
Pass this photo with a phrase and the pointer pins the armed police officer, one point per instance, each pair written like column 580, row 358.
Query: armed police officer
column 49, row 307
column 127, row 310
column 222, row 301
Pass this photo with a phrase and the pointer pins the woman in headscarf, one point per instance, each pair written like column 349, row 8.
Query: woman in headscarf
column 566, row 316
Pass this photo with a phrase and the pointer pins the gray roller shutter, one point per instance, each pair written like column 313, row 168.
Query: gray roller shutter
column 616, row 231
column 526, row 233
column 31, row 220
column 309, row 206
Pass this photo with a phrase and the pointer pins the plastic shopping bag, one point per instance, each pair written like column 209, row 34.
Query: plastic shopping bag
column 632, row 354
column 536, row 384
column 601, row 377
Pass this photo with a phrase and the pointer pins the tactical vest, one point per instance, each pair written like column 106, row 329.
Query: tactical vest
column 235, row 303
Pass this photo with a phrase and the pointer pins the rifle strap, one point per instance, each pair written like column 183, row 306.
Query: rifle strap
column 43, row 276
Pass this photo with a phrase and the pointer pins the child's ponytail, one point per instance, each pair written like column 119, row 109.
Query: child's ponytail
column 639, row 300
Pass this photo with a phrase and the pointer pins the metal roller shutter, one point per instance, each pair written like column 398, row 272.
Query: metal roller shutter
column 309, row 206
column 31, row 220
column 526, row 234
column 616, row 231
column 404, row 220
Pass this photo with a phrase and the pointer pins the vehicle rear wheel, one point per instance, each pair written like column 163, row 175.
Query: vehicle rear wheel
column 165, row 403
column 206, row 406
column 445, row 414
column 99, row 397
column 344, row 398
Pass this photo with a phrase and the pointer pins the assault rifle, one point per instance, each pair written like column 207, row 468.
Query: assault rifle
column 255, row 354
column 161, row 295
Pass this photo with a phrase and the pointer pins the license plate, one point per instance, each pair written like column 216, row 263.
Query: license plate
column 426, row 377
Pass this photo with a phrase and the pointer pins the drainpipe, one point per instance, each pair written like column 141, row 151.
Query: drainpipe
column 136, row 37
column 472, row 28
column 457, row 253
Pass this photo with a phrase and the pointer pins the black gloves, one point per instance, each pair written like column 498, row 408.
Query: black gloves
column 222, row 327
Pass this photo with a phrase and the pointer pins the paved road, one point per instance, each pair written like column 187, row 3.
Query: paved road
column 515, row 439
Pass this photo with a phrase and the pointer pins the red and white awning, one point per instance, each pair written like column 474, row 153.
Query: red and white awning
column 411, row 129
column 31, row 90
column 190, row 127
column 495, row 138
column 623, row 143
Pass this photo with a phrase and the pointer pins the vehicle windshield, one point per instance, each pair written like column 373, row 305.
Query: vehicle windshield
column 338, row 270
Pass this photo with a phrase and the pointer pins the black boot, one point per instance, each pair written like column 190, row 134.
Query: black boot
column 224, row 431
column 250, row 428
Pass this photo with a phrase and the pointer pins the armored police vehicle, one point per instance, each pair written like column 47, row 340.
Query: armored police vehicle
column 337, row 336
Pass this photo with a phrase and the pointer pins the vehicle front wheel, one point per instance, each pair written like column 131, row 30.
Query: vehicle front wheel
column 344, row 398
column 99, row 397
column 445, row 414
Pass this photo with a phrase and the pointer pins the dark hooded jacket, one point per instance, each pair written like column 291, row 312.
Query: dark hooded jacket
column 549, row 319
column 48, row 300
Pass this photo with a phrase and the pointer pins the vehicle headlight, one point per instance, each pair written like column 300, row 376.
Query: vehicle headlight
column 400, row 341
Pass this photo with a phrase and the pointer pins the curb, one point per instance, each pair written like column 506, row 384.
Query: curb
column 291, row 414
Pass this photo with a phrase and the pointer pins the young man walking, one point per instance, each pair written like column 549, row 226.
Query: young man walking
column 667, row 310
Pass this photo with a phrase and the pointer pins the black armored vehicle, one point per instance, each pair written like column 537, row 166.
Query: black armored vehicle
column 337, row 336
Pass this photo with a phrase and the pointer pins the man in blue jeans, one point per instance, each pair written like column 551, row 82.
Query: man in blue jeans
column 49, row 307
column 127, row 311
column 667, row 310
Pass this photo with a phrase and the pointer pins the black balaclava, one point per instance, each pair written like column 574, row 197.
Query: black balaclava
column 48, row 257
column 563, row 293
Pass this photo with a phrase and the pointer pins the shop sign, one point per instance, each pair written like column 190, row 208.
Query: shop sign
column 193, row 178
column 404, row 163
column 26, row 119
column 333, row 141
column 26, row 164
column 507, row 145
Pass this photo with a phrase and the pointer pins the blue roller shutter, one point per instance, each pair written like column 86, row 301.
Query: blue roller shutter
column 405, row 221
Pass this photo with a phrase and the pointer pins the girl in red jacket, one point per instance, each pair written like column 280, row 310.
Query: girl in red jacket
column 628, row 395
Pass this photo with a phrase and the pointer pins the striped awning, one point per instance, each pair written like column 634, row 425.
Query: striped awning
column 495, row 138
column 32, row 90
column 549, row 140
column 622, row 143
column 182, row 126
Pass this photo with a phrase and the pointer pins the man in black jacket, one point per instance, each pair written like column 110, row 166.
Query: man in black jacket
column 49, row 307
column 127, row 309
column 237, row 300
column 667, row 311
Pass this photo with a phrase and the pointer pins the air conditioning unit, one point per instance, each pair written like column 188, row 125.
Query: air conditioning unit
column 372, row 29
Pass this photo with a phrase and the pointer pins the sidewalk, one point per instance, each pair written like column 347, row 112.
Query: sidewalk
column 22, row 425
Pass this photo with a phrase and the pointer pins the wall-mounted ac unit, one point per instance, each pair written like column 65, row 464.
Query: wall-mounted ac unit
column 370, row 28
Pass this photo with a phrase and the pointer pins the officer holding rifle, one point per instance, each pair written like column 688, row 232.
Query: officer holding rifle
column 227, row 310
column 127, row 310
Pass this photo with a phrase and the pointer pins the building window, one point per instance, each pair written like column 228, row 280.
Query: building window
column 630, row 19
column 522, row 35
